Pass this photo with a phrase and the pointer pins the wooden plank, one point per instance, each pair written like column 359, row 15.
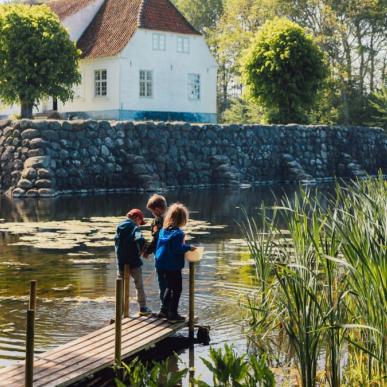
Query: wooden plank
column 82, row 363
column 143, row 344
column 60, row 352
column 94, row 363
column 88, row 354
column 61, row 355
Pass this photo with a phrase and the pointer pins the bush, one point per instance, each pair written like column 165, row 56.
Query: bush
column 283, row 70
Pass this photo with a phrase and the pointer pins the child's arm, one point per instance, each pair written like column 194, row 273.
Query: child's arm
column 139, row 239
column 178, row 245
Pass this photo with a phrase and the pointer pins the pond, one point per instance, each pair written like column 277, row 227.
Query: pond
column 76, row 276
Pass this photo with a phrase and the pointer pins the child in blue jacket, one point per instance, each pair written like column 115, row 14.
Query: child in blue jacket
column 169, row 257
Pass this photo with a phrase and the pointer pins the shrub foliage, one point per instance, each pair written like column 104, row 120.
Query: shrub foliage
column 283, row 69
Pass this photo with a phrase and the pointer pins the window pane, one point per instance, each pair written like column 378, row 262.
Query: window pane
column 97, row 75
column 186, row 45
column 155, row 42
column 194, row 86
column 149, row 89
column 142, row 89
column 104, row 74
column 149, row 75
column 162, row 42
column 142, row 75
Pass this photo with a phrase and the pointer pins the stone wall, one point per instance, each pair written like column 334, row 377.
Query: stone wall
column 47, row 158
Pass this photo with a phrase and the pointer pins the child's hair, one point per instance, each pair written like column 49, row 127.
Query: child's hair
column 177, row 216
column 157, row 201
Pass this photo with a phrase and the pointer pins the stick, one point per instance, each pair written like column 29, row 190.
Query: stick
column 126, row 290
column 32, row 304
column 117, row 356
column 191, row 321
column 29, row 362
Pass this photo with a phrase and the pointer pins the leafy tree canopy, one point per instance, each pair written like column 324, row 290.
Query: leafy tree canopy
column 37, row 57
column 283, row 70
column 202, row 14
column 378, row 106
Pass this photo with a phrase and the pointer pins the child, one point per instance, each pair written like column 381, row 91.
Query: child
column 158, row 206
column 129, row 243
column 170, row 259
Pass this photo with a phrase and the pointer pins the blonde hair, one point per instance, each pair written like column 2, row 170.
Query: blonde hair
column 177, row 216
column 157, row 201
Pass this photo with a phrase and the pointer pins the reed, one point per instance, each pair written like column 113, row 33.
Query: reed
column 323, row 284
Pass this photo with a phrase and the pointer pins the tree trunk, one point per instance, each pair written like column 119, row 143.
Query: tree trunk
column 26, row 109
column 372, row 70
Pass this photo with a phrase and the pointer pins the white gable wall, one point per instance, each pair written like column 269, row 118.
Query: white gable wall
column 170, row 74
column 76, row 24
column 85, row 100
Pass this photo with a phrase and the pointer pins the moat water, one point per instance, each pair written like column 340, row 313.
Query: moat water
column 76, row 288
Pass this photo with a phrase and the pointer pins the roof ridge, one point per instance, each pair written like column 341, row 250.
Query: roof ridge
column 141, row 13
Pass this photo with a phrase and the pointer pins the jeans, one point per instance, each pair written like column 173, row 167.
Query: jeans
column 174, row 285
column 136, row 274
column 162, row 283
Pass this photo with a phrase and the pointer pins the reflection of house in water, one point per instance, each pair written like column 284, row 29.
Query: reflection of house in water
column 141, row 59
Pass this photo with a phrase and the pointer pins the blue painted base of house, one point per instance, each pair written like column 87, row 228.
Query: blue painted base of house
column 137, row 115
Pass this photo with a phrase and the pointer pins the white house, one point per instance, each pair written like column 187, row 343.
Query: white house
column 141, row 59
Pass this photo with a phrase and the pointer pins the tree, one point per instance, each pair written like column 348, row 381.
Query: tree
column 378, row 106
column 284, row 70
column 37, row 57
column 231, row 35
column 202, row 14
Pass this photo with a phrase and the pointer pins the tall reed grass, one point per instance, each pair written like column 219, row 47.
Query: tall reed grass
column 322, row 283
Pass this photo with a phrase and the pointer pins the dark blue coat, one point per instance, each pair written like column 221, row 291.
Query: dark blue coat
column 129, row 243
column 171, row 249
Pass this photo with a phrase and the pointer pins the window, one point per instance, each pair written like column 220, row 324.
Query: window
column 194, row 87
column 183, row 45
column 158, row 42
column 146, row 83
column 100, row 83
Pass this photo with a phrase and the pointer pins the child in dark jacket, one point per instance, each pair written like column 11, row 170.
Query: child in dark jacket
column 129, row 244
column 169, row 256
column 157, row 204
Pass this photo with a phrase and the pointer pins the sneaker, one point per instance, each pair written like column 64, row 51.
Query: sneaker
column 161, row 314
column 176, row 318
column 145, row 311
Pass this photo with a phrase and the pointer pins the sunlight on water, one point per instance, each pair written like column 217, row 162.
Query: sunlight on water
column 76, row 283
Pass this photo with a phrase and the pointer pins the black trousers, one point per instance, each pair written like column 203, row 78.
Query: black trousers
column 174, row 285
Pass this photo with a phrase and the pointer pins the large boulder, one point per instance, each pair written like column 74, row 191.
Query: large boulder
column 38, row 162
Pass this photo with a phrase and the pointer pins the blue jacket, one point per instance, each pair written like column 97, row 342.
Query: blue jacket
column 129, row 243
column 170, row 249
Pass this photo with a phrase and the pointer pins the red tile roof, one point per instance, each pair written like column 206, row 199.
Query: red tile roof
column 163, row 15
column 117, row 21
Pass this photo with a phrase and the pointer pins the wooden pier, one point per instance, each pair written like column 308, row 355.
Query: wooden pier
column 105, row 347
column 77, row 359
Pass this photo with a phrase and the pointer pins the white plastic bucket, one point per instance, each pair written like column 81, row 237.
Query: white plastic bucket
column 194, row 256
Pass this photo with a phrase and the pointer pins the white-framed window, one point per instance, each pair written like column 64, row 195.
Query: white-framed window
column 100, row 83
column 194, row 87
column 158, row 42
column 183, row 44
column 146, row 83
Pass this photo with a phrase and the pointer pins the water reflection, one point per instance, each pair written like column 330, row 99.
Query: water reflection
column 76, row 293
